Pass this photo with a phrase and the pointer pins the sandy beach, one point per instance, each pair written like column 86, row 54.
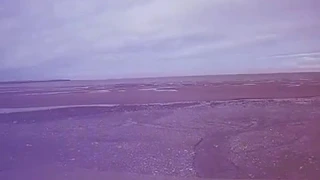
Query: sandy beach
column 207, row 127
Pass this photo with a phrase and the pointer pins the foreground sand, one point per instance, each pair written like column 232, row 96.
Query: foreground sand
column 267, row 128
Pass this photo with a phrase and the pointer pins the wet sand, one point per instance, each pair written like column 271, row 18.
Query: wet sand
column 236, row 127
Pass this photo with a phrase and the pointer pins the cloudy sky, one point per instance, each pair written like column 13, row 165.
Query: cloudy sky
column 96, row 39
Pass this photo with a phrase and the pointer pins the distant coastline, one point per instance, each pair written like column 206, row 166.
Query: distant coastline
column 199, row 76
column 33, row 81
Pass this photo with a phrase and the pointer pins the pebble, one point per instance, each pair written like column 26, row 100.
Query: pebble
column 95, row 143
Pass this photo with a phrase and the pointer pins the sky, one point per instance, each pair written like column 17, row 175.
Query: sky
column 102, row 39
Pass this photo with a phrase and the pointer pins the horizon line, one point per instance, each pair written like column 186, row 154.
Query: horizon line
column 150, row 77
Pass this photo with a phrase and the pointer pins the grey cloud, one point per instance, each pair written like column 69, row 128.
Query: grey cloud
column 76, row 39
